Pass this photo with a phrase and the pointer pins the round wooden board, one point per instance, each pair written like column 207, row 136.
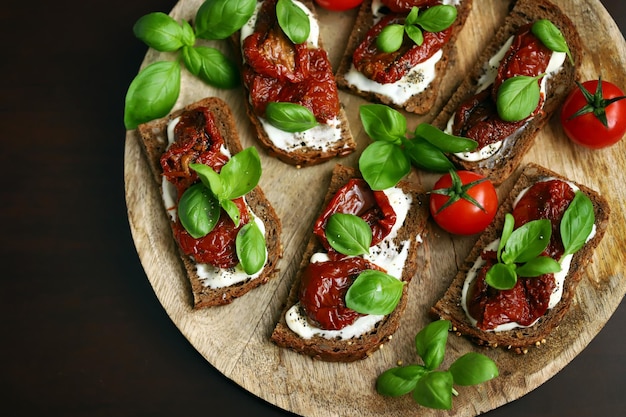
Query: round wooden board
column 235, row 338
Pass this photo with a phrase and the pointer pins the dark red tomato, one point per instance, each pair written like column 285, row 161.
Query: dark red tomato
column 338, row 5
column 604, row 120
column 452, row 209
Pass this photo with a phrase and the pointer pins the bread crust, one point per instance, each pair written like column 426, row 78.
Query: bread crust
column 153, row 137
column 503, row 163
column 519, row 340
column 362, row 347
column 303, row 156
column 420, row 103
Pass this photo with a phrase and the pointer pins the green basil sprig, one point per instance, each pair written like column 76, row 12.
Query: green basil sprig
column 518, row 97
column 155, row 89
column 250, row 248
column 551, row 37
column 293, row 21
column 198, row 210
column 433, row 19
column 389, row 158
column 431, row 387
column 374, row 292
column 290, row 117
column 348, row 234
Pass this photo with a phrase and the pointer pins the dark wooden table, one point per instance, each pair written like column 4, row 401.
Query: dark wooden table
column 82, row 331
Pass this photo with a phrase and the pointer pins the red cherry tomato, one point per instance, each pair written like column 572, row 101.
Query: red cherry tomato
column 338, row 5
column 602, row 101
column 452, row 209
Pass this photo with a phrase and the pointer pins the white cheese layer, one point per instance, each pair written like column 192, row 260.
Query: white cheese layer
column 385, row 254
column 320, row 137
column 210, row 276
column 488, row 78
column 559, row 277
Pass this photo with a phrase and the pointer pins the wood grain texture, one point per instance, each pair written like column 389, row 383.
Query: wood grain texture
column 235, row 338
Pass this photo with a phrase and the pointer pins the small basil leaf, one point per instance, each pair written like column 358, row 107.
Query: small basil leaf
column 434, row 390
column 152, row 93
column 501, row 276
column 241, row 173
column 189, row 36
column 293, row 21
column 232, row 210
column 383, row 123
column 437, row 18
column 427, row 156
column 518, row 97
column 159, row 31
column 509, row 224
column 390, row 38
column 374, row 292
column 209, row 178
column 211, row 66
column 415, row 34
column 431, row 341
column 250, row 247
column 539, row 266
column 473, row 369
column 198, row 210
column 411, row 18
column 290, row 117
column 399, row 381
column 348, row 234
column 527, row 241
column 577, row 223
column 444, row 141
column 383, row 164
column 551, row 37
column 218, row 19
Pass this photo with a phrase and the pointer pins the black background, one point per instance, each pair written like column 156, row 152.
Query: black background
column 82, row 331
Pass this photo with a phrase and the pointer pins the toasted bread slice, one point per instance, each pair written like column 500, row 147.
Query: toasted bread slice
column 153, row 137
column 358, row 347
column 419, row 103
column 450, row 307
column 502, row 163
column 301, row 149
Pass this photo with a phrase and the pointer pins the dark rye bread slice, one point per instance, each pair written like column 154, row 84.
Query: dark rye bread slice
column 501, row 165
column 520, row 340
column 303, row 155
column 420, row 103
column 153, row 137
column 362, row 347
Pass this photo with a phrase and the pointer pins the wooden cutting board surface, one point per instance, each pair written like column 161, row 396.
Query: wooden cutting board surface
column 235, row 338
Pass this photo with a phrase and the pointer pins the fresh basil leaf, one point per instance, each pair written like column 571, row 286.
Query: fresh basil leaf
column 577, row 223
column 241, row 173
column 383, row 164
column 209, row 178
column 218, row 19
column 293, row 21
column 507, row 229
column 250, row 248
column 390, row 38
column 159, row 31
column 427, row 156
column 527, row 241
column 434, row 390
column 437, row 18
column 189, row 36
column 374, row 292
column 518, row 97
column 211, row 66
column 538, row 266
column 152, row 93
column 348, row 234
column 399, row 381
column 501, row 276
column 551, row 37
column 430, row 343
column 383, row 123
column 232, row 210
column 415, row 34
column 444, row 141
column 411, row 18
column 472, row 369
column 290, row 117
column 198, row 210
